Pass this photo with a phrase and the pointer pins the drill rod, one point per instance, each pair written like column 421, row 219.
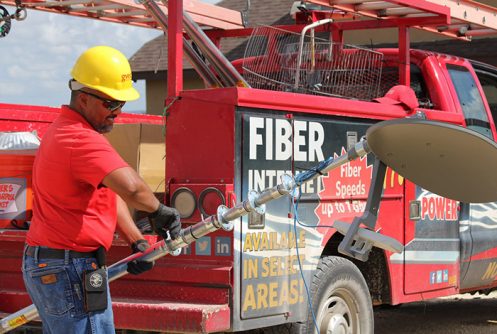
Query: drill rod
column 223, row 219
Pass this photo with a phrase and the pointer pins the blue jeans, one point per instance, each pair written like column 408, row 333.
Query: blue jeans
column 56, row 288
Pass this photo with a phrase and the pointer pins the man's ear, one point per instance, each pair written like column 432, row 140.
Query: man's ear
column 82, row 99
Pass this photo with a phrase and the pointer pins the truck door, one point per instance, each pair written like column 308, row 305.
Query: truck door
column 431, row 253
column 479, row 221
column 269, row 283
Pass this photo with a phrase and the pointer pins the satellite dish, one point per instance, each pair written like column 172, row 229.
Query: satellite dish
column 446, row 159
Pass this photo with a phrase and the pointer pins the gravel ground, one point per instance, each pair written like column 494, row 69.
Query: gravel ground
column 461, row 314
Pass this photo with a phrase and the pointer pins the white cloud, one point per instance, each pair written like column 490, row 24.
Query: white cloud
column 16, row 72
column 39, row 52
column 11, row 88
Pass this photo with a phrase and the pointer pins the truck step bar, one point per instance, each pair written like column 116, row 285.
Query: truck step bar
column 171, row 317
column 154, row 315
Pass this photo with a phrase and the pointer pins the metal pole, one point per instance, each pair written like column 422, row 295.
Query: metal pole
column 193, row 57
column 213, row 54
column 174, row 50
column 301, row 47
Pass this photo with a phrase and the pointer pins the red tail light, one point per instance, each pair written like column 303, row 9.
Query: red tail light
column 184, row 201
column 209, row 200
column 197, row 200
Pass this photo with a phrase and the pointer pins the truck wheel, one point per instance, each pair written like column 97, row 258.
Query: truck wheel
column 340, row 299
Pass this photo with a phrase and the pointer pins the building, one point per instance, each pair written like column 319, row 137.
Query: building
column 149, row 63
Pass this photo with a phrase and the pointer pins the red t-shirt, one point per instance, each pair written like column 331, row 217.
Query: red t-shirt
column 72, row 209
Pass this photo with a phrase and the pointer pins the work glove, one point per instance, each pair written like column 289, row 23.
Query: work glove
column 137, row 267
column 164, row 220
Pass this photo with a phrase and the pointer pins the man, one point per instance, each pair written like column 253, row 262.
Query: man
column 81, row 187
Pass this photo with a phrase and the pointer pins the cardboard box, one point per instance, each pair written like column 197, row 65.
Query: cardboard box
column 143, row 147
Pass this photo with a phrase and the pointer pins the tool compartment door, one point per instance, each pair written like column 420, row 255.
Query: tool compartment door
column 268, row 284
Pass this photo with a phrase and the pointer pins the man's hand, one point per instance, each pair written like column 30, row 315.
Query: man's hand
column 137, row 267
column 164, row 220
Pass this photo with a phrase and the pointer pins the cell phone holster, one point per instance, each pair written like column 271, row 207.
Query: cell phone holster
column 95, row 290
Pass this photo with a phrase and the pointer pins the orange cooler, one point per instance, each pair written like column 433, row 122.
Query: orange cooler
column 16, row 194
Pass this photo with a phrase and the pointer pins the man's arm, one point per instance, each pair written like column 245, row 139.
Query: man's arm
column 125, row 223
column 133, row 236
column 132, row 189
column 126, row 183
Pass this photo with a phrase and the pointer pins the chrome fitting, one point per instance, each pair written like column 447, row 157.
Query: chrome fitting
column 254, row 198
column 220, row 221
column 202, row 228
column 362, row 147
column 235, row 212
column 287, row 184
column 187, row 236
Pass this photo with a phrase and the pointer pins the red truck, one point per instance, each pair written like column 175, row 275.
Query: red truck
column 309, row 99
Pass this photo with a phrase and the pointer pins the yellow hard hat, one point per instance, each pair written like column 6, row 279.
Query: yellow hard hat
column 107, row 70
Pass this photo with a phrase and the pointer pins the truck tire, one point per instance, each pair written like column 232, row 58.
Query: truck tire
column 340, row 299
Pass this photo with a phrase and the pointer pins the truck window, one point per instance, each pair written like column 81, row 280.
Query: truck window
column 471, row 101
column 390, row 78
column 488, row 81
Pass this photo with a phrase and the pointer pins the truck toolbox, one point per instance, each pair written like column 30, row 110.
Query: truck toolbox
column 292, row 217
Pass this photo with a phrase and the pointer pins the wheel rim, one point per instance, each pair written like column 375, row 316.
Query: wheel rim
column 338, row 314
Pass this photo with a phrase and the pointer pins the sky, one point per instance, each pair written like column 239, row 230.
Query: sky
column 39, row 52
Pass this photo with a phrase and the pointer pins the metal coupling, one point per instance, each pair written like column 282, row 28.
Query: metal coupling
column 287, row 184
column 202, row 228
column 235, row 212
column 220, row 222
column 256, row 204
column 280, row 190
column 187, row 236
column 241, row 209
column 361, row 148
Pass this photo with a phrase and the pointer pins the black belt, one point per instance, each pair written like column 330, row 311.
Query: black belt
column 51, row 253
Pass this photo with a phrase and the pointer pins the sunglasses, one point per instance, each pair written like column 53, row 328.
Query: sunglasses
column 111, row 105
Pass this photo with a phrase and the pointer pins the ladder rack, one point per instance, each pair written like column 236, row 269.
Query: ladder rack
column 132, row 13
column 461, row 19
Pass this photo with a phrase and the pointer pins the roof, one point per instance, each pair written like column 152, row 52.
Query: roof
column 483, row 50
column 151, row 58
